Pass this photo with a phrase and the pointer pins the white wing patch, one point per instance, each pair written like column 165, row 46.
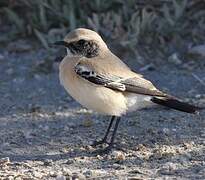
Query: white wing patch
column 117, row 85
column 90, row 75
column 85, row 71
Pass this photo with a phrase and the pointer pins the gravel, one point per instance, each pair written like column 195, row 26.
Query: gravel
column 45, row 134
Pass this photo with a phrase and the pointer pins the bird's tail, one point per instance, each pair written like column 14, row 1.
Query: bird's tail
column 176, row 104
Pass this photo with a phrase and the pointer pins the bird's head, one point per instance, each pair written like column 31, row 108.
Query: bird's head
column 83, row 42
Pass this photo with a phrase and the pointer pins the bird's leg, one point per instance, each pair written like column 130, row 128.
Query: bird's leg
column 110, row 145
column 104, row 140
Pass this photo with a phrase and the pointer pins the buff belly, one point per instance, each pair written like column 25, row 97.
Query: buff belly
column 91, row 96
column 96, row 97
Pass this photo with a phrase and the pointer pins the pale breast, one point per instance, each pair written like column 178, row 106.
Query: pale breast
column 89, row 95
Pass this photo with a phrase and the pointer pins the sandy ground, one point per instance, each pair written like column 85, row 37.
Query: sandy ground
column 44, row 134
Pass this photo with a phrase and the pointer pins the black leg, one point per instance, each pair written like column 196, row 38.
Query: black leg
column 104, row 140
column 110, row 146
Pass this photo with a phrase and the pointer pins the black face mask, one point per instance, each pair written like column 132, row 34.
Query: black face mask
column 85, row 48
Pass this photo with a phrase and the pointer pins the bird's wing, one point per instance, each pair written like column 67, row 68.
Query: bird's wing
column 134, row 84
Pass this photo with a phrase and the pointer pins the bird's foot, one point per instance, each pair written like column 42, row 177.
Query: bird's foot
column 105, row 150
column 100, row 142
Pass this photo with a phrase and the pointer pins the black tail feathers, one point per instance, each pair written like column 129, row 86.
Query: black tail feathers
column 176, row 104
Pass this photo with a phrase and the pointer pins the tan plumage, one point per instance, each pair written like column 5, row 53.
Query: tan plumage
column 98, row 97
column 95, row 97
column 100, row 81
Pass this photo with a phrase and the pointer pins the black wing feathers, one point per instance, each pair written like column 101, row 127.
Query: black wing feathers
column 176, row 104
column 117, row 83
column 135, row 85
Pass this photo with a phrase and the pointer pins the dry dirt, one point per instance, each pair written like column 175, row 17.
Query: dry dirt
column 44, row 134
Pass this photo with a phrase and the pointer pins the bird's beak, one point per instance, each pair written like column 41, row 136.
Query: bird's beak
column 61, row 43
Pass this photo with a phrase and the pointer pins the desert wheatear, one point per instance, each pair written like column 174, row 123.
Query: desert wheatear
column 100, row 81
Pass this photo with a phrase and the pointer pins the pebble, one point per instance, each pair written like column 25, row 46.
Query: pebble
column 94, row 173
column 37, row 174
column 53, row 174
column 4, row 161
column 136, row 171
column 48, row 162
column 166, row 131
column 87, row 123
column 118, row 155
column 88, row 173
column 60, row 177
column 66, row 172
column 164, row 152
column 141, row 147
column 90, row 148
column 165, row 171
column 168, row 169
column 78, row 176
column 69, row 161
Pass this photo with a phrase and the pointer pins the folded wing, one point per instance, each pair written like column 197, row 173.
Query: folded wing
column 136, row 84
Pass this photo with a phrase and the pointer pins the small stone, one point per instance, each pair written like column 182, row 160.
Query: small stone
column 164, row 152
column 118, row 155
column 166, row 130
column 66, row 172
column 52, row 174
column 117, row 165
column 60, row 177
column 87, row 123
column 48, row 162
column 88, row 173
column 4, row 161
column 78, row 176
column 141, row 147
column 187, row 145
column 94, row 173
column 90, row 148
column 37, row 174
column 69, row 161
column 168, row 169
column 136, row 171
column 99, row 157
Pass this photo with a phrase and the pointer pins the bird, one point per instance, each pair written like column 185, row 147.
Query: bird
column 102, row 82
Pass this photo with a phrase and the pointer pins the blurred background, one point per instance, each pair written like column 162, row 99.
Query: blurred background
column 149, row 30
